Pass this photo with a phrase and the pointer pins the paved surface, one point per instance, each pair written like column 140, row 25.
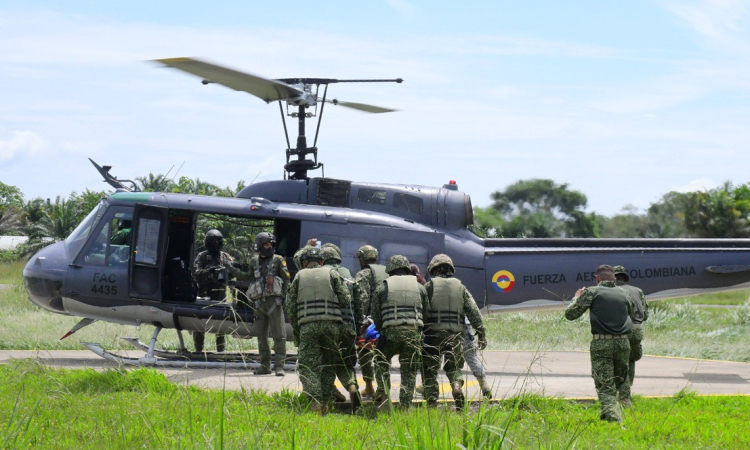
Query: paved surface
column 553, row 374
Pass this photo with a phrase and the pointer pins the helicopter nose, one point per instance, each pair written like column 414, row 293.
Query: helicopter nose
column 43, row 278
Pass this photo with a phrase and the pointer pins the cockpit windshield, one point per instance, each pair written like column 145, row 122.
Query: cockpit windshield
column 78, row 237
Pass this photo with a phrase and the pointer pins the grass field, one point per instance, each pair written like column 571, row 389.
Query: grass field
column 51, row 409
column 676, row 327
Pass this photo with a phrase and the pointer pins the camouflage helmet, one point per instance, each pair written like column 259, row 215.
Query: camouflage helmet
column 329, row 254
column 396, row 262
column 312, row 254
column 620, row 270
column 440, row 260
column 367, row 253
column 298, row 258
column 264, row 238
column 328, row 245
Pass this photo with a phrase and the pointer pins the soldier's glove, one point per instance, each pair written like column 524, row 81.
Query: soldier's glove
column 482, row 343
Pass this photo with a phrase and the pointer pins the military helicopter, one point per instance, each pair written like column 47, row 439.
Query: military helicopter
column 136, row 283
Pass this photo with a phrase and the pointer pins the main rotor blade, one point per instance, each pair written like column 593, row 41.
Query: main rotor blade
column 362, row 107
column 263, row 88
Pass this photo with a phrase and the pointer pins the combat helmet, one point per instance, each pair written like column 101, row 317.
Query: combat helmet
column 329, row 254
column 338, row 255
column 397, row 262
column 264, row 238
column 440, row 260
column 620, row 270
column 312, row 254
column 214, row 241
column 367, row 253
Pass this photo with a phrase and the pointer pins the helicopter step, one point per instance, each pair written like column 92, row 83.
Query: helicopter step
column 194, row 356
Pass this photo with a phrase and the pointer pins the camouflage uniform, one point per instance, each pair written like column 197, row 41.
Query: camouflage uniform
column 209, row 285
column 361, row 292
column 640, row 315
column 609, row 311
column 321, row 356
column 445, row 330
column 269, row 309
column 404, row 338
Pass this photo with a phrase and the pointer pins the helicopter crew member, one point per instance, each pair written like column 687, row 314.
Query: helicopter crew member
column 210, row 272
column 318, row 297
column 640, row 315
column 351, row 315
column 367, row 279
column 269, row 280
column 610, row 309
column 397, row 306
column 122, row 235
column 449, row 305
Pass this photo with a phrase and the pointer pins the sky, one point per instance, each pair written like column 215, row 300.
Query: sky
column 623, row 101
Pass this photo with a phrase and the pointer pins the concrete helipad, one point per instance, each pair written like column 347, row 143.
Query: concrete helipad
column 553, row 374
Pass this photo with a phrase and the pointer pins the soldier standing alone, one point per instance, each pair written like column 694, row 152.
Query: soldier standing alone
column 269, row 281
column 210, row 272
column 397, row 308
column 640, row 315
column 609, row 313
column 318, row 298
column 449, row 304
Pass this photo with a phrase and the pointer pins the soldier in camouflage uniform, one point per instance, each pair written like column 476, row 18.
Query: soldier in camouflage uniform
column 610, row 309
column 640, row 315
column 210, row 272
column 269, row 281
column 449, row 304
column 317, row 298
column 397, row 305
column 365, row 282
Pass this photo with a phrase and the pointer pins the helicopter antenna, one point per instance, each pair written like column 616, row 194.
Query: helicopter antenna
column 294, row 91
column 178, row 171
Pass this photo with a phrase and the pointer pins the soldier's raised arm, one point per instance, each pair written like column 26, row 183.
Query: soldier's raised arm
column 580, row 303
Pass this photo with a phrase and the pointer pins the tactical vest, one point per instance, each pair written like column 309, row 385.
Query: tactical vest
column 347, row 313
column 404, row 303
column 378, row 276
column 316, row 300
column 445, row 311
column 269, row 286
column 608, row 312
column 635, row 295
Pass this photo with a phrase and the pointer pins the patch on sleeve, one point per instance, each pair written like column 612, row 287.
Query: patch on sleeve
column 283, row 263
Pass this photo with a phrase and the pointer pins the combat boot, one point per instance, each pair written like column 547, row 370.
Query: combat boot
column 319, row 409
column 626, row 403
column 369, row 390
column 338, row 397
column 262, row 371
column 355, row 398
column 458, row 395
column 486, row 389
column 279, row 371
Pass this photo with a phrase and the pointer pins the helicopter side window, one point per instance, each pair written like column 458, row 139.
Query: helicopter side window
column 96, row 254
column 148, row 240
column 120, row 240
column 408, row 202
column 80, row 235
column 373, row 196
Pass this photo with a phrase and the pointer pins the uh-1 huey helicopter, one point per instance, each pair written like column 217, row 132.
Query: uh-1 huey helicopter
column 88, row 276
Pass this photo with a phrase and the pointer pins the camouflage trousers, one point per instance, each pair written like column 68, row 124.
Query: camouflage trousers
column 407, row 343
column 636, row 353
column 269, row 319
column 609, row 368
column 366, row 364
column 321, row 358
column 345, row 371
column 436, row 346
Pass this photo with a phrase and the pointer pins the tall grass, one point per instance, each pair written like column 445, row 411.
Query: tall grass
column 60, row 409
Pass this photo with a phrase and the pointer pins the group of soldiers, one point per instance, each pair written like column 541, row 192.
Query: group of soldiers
column 617, row 311
column 429, row 324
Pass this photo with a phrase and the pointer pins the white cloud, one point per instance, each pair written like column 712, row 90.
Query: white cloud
column 22, row 142
column 718, row 21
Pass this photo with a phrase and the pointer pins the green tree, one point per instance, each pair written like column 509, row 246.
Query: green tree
column 57, row 221
column 11, row 210
column 154, row 183
column 722, row 212
column 543, row 208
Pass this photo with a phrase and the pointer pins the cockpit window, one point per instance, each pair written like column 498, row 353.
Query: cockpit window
column 408, row 202
column 78, row 237
column 371, row 196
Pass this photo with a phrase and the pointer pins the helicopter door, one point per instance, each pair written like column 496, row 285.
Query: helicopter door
column 150, row 242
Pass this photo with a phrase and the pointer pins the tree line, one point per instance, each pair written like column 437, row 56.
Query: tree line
column 538, row 208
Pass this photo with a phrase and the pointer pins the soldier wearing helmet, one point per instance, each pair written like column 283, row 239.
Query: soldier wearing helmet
column 449, row 306
column 269, row 279
column 367, row 279
column 640, row 315
column 318, row 300
column 210, row 272
column 397, row 307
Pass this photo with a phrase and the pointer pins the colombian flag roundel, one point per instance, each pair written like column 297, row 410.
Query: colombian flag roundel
column 503, row 281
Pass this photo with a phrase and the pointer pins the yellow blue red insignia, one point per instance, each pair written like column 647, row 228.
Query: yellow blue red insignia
column 503, row 281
